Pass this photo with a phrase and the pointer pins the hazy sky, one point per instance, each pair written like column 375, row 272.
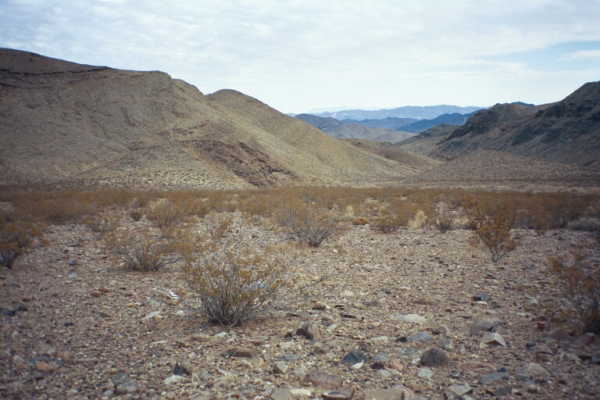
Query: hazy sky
column 300, row 55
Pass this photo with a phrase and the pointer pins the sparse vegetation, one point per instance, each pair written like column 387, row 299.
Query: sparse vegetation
column 493, row 223
column 138, row 251
column 579, row 281
column 233, row 276
column 306, row 225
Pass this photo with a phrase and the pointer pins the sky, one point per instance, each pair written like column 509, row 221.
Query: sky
column 306, row 55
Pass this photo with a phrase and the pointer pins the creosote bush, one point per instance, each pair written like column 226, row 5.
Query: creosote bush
column 15, row 238
column 579, row 281
column 492, row 224
column 234, row 277
column 306, row 225
column 137, row 250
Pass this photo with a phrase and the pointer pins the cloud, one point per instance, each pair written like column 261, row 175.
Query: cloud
column 583, row 55
column 301, row 54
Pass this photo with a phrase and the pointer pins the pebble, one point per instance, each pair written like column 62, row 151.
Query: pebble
column 124, row 384
column 481, row 297
column 532, row 370
column 338, row 395
column 354, row 357
column 596, row 358
column 280, row 367
column 238, row 353
column 460, row 389
column 484, row 325
column 425, row 373
column 174, row 379
column 308, row 331
column 400, row 393
column 492, row 338
column 434, row 357
column 323, row 380
column 419, row 337
column 412, row 318
column 493, row 377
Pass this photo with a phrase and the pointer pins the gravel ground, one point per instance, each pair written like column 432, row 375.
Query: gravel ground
column 358, row 320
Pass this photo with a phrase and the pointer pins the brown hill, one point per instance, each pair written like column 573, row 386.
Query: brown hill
column 395, row 152
column 425, row 142
column 77, row 124
column 566, row 131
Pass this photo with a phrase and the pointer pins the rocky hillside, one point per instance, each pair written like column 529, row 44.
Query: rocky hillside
column 353, row 130
column 77, row 124
column 566, row 131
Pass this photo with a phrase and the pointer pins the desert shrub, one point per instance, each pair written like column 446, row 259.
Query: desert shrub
column 493, row 223
column 418, row 221
column 579, row 281
column 102, row 223
column 306, row 225
column 443, row 219
column 58, row 211
column 135, row 215
column 164, row 213
column 387, row 224
column 233, row 277
column 15, row 238
column 137, row 251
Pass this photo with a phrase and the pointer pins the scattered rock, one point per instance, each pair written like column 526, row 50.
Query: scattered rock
column 354, row 357
column 412, row 318
column 280, row 367
column 493, row 377
column 484, row 325
column 308, row 331
column 180, row 370
column 595, row 358
column 282, row 394
column 532, row 371
column 460, row 389
column 45, row 366
column 434, row 357
column 425, row 373
column 323, row 380
column 124, row 384
column 493, row 338
column 239, row 353
column 481, row 297
column 419, row 337
column 400, row 393
column 174, row 379
column 338, row 395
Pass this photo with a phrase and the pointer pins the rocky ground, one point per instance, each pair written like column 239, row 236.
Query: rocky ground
column 412, row 315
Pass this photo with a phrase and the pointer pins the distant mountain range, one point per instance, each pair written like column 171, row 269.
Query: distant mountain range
column 353, row 129
column 415, row 112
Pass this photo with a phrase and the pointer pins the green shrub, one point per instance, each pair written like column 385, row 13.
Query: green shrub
column 306, row 225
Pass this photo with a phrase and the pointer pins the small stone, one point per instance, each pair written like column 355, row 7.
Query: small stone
column 238, row 353
column 434, row 357
column 419, row 337
column 354, row 357
column 460, row 389
column 484, row 325
column 324, row 380
column 481, row 297
column 152, row 315
column 389, row 394
column 174, row 379
column 412, row 318
column 301, row 392
column 280, row 367
column 493, row 338
column 44, row 366
column 396, row 365
column 493, row 377
column 425, row 373
column 19, row 362
column 595, row 358
column 281, row 394
column 308, row 331
column 129, row 386
column 532, row 371
column 180, row 370
column 503, row 391
column 338, row 395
